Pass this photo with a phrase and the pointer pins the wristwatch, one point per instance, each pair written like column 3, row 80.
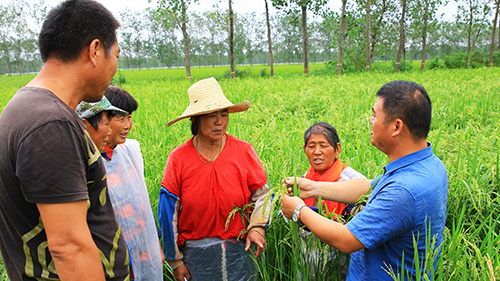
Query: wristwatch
column 295, row 215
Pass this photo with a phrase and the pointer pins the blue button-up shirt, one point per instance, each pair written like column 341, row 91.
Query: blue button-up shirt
column 409, row 197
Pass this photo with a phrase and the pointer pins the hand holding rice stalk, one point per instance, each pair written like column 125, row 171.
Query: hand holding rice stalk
column 300, row 186
column 290, row 199
column 290, row 189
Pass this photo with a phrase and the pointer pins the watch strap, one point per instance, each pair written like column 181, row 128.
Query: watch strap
column 296, row 212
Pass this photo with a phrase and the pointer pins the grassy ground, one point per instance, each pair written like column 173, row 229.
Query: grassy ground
column 465, row 134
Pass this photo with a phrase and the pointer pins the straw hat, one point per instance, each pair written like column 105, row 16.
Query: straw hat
column 206, row 96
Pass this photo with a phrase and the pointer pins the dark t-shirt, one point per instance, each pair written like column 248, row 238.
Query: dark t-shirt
column 47, row 156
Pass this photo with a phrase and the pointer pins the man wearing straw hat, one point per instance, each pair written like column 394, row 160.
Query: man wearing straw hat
column 205, row 179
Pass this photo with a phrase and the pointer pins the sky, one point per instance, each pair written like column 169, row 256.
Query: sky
column 239, row 6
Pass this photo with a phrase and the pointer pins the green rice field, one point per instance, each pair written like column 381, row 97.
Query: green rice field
column 465, row 134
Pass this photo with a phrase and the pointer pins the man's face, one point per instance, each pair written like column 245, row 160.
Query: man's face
column 107, row 64
column 380, row 129
column 110, row 64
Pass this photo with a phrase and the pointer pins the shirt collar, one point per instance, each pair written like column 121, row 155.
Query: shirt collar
column 107, row 153
column 409, row 159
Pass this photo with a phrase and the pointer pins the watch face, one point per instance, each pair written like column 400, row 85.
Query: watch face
column 295, row 216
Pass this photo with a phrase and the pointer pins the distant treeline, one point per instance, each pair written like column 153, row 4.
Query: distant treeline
column 398, row 31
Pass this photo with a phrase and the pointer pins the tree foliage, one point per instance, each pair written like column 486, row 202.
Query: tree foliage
column 294, row 6
column 173, row 34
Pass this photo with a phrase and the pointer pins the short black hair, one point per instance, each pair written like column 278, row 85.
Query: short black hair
column 325, row 129
column 121, row 99
column 410, row 102
column 95, row 120
column 70, row 27
column 195, row 124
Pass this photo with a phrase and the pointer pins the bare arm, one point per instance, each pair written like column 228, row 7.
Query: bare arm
column 70, row 243
column 346, row 192
column 329, row 231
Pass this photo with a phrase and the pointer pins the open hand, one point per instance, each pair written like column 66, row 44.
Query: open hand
column 257, row 238
column 181, row 272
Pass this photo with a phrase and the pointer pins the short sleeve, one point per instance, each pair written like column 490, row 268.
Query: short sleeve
column 388, row 215
column 256, row 174
column 171, row 177
column 52, row 164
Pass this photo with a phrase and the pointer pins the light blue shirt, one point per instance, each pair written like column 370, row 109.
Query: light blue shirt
column 409, row 196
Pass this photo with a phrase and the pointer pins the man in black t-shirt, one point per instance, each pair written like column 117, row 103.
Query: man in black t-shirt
column 56, row 219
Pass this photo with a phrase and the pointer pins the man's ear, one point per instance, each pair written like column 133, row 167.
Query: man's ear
column 397, row 127
column 94, row 47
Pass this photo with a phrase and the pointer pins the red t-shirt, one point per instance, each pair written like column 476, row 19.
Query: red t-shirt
column 209, row 192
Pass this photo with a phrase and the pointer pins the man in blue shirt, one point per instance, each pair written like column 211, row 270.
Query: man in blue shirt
column 407, row 202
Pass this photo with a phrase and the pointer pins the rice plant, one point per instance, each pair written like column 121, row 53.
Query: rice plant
column 465, row 134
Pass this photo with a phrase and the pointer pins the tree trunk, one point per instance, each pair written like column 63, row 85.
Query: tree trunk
column 138, row 55
column 492, row 48
column 213, row 49
column 368, row 35
column 186, row 51
column 231, row 39
column 168, row 59
column 341, row 38
column 305, row 39
column 376, row 26
column 187, row 62
column 269, row 43
column 9, row 70
column 424, row 35
column 469, row 31
column 424, row 50
column 401, row 34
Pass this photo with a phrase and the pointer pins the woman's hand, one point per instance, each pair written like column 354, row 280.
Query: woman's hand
column 289, row 203
column 257, row 238
column 181, row 272
column 307, row 187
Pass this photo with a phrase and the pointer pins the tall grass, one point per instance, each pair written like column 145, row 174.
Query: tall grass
column 465, row 135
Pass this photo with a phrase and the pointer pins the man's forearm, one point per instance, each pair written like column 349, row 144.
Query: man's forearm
column 71, row 245
column 346, row 192
column 330, row 232
column 78, row 263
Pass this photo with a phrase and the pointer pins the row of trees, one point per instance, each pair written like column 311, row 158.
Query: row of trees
column 171, row 35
